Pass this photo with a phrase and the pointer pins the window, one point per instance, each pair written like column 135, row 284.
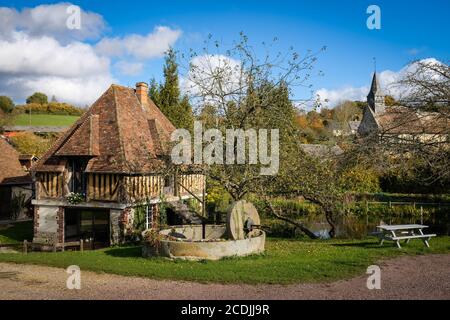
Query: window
column 77, row 181
column 167, row 181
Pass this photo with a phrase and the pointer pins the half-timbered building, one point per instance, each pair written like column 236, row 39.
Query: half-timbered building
column 112, row 160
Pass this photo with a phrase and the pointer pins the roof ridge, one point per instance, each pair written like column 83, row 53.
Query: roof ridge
column 119, row 129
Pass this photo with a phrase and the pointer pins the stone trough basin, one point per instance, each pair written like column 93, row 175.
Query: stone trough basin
column 241, row 236
column 185, row 242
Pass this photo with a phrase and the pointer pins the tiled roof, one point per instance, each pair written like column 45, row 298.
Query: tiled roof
column 11, row 172
column 118, row 133
column 402, row 120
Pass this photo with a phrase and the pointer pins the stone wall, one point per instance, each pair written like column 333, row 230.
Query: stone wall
column 48, row 224
column 368, row 123
column 116, row 234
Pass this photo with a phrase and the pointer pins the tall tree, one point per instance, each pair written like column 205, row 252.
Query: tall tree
column 170, row 90
column 186, row 117
column 254, row 94
column 38, row 97
column 153, row 91
column 168, row 98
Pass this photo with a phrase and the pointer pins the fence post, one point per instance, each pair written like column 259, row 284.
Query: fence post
column 367, row 213
column 25, row 246
column 390, row 213
column 421, row 215
column 81, row 245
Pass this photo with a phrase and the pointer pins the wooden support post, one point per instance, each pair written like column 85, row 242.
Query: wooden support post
column 367, row 213
column 203, row 230
column 203, row 202
column 81, row 245
column 107, row 194
column 25, row 246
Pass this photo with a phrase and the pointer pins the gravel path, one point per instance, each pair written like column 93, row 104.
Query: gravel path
column 408, row 277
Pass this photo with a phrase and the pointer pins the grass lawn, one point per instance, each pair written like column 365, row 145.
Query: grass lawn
column 44, row 120
column 21, row 231
column 285, row 261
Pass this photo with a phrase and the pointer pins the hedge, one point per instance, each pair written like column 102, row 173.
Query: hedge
column 49, row 108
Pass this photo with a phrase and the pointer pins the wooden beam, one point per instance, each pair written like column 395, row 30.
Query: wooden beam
column 107, row 187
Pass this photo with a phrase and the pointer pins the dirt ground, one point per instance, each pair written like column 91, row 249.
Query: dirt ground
column 408, row 277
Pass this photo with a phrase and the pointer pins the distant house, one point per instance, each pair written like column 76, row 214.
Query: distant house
column 350, row 129
column 15, row 183
column 353, row 126
column 400, row 122
column 27, row 160
column 107, row 173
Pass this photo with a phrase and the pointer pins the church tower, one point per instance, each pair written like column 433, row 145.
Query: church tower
column 375, row 98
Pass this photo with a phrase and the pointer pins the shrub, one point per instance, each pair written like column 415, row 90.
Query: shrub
column 75, row 198
column 29, row 143
column 49, row 108
column 217, row 199
column 6, row 104
column 359, row 179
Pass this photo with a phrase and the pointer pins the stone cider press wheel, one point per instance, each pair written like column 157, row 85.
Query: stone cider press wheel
column 238, row 214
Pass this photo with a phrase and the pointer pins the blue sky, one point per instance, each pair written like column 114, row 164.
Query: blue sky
column 409, row 30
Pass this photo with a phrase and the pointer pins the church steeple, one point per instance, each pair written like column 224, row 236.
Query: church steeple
column 375, row 98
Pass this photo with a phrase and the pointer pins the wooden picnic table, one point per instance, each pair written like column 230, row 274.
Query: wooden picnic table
column 398, row 232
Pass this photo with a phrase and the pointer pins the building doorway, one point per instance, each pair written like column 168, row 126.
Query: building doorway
column 91, row 225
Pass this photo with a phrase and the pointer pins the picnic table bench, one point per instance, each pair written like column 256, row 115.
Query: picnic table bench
column 403, row 232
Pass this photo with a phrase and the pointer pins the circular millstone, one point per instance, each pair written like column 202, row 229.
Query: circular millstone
column 239, row 215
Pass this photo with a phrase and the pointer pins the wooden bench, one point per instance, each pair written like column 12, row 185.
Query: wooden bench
column 429, row 236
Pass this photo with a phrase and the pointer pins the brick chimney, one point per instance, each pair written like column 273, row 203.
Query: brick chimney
column 142, row 92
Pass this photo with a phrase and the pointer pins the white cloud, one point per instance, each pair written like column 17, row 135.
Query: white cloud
column 74, row 73
column 46, row 56
column 332, row 97
column 50, row 20
column 38, row 52
column 129, row 68
column 152, row 45
column 80, row 91
column 388, row 81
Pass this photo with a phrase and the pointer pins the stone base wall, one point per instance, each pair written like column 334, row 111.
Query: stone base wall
column 115, row 234
column 48, row 224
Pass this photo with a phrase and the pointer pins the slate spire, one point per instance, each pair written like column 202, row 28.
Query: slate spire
column 375, row 98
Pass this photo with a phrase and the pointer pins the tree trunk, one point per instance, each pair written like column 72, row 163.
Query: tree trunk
column 329, row 217
column 299, row 225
